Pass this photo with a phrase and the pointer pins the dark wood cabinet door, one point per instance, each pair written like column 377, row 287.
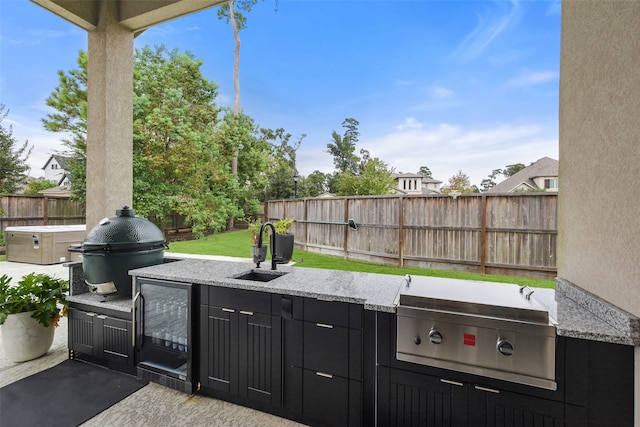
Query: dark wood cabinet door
column 116, row 343
column 259, row 361
column 517, row 410
column 219, row 348
column 410, row 399
column 102, row 338
column 81, row 331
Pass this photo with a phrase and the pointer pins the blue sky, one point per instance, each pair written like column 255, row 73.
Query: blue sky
column 452, row 84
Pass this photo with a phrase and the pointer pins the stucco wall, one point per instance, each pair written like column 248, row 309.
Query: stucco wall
column 599, row 202
column 109, row 117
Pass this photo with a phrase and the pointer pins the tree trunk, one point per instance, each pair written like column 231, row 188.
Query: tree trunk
column 236, row 90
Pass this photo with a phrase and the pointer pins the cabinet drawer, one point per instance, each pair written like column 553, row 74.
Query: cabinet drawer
column 333, row 349
column 259, row 302
column 326, row 349
column 333, row 313
column 325, row 399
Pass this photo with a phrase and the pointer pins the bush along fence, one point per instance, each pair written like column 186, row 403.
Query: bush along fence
column 510, row 234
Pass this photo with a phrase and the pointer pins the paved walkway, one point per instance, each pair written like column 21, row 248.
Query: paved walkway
column 152, row 405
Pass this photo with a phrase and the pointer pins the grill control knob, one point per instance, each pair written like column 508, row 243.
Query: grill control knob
column 435, row 336
column 505, row 347
column 417, row 340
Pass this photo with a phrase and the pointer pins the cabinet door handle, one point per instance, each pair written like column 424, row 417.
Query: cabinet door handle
column 490, row 390
column 442, row 380
column 92, row 314
column 322, row 374
column 324, row 325
column 228, row 310
column 248, row 313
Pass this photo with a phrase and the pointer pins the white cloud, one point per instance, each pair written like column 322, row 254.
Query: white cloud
column 170, row 29
column 555, row 7
column 447, row 148
column 442, row 92
column 490, row 26
column 44, row 143
column 401, row 82
column 530, row 78
column 409, row 123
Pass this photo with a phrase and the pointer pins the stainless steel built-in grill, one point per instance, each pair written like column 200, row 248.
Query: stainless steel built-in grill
column 490, row 329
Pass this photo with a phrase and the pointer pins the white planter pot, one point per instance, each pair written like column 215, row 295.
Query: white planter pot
column 23, row 338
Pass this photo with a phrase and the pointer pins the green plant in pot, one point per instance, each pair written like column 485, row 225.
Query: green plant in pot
column 29, row 313
column 284, row 240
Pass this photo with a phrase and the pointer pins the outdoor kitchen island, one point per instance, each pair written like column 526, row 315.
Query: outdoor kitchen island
column 319, row 347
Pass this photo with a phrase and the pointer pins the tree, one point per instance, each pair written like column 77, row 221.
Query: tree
column 38, row 184
column 13, row 158
column 283, row 166
column 425, row 172
column 375, row 179
column 490, row 182
column 508, row 171
column 511, row 170
column 459, row 182
column 316, row 183
column 232, row 14
column 343, row 147
column 174, row 148
column 69, row 100
column 182, row 151
column 239, row 132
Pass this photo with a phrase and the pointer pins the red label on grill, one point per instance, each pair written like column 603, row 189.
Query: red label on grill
column 470, row 339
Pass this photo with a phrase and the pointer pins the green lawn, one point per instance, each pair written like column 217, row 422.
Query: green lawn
column 238, row 243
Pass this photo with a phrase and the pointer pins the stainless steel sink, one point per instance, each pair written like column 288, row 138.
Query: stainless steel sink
column 259, row 276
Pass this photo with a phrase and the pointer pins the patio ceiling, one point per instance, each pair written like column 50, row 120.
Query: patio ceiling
column 135, row 15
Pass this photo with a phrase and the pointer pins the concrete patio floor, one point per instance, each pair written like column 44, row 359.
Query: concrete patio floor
column 153, row 404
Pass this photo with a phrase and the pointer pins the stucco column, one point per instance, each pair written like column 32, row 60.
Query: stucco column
column 109, row 117
column 598, row 199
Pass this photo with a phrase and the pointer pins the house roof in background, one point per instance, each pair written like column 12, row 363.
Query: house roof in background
column 416, row 175
column 545, row 166
column 64, row 176
column 62, row 161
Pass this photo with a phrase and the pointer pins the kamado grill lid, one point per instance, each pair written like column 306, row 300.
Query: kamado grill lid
column 125, row 231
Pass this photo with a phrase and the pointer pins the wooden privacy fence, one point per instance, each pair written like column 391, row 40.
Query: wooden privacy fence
column 18, row 210
column 512, row 234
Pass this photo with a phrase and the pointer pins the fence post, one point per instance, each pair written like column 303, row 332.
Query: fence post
column 306, row 226
column 346, row 229
column 483, row 235
column 400, row 231
column 45, row 210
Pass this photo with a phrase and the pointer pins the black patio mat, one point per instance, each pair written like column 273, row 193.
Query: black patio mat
column 67, row 394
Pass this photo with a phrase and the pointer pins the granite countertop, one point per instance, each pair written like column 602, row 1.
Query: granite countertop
column 585, row 316
column 375, row 291
column 574, row 312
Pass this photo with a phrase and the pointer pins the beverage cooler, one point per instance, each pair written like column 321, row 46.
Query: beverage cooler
column 162, row 313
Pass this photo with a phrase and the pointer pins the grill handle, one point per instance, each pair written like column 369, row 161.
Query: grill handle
column 526, row 291
column 407, row 279
column 110, row 249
